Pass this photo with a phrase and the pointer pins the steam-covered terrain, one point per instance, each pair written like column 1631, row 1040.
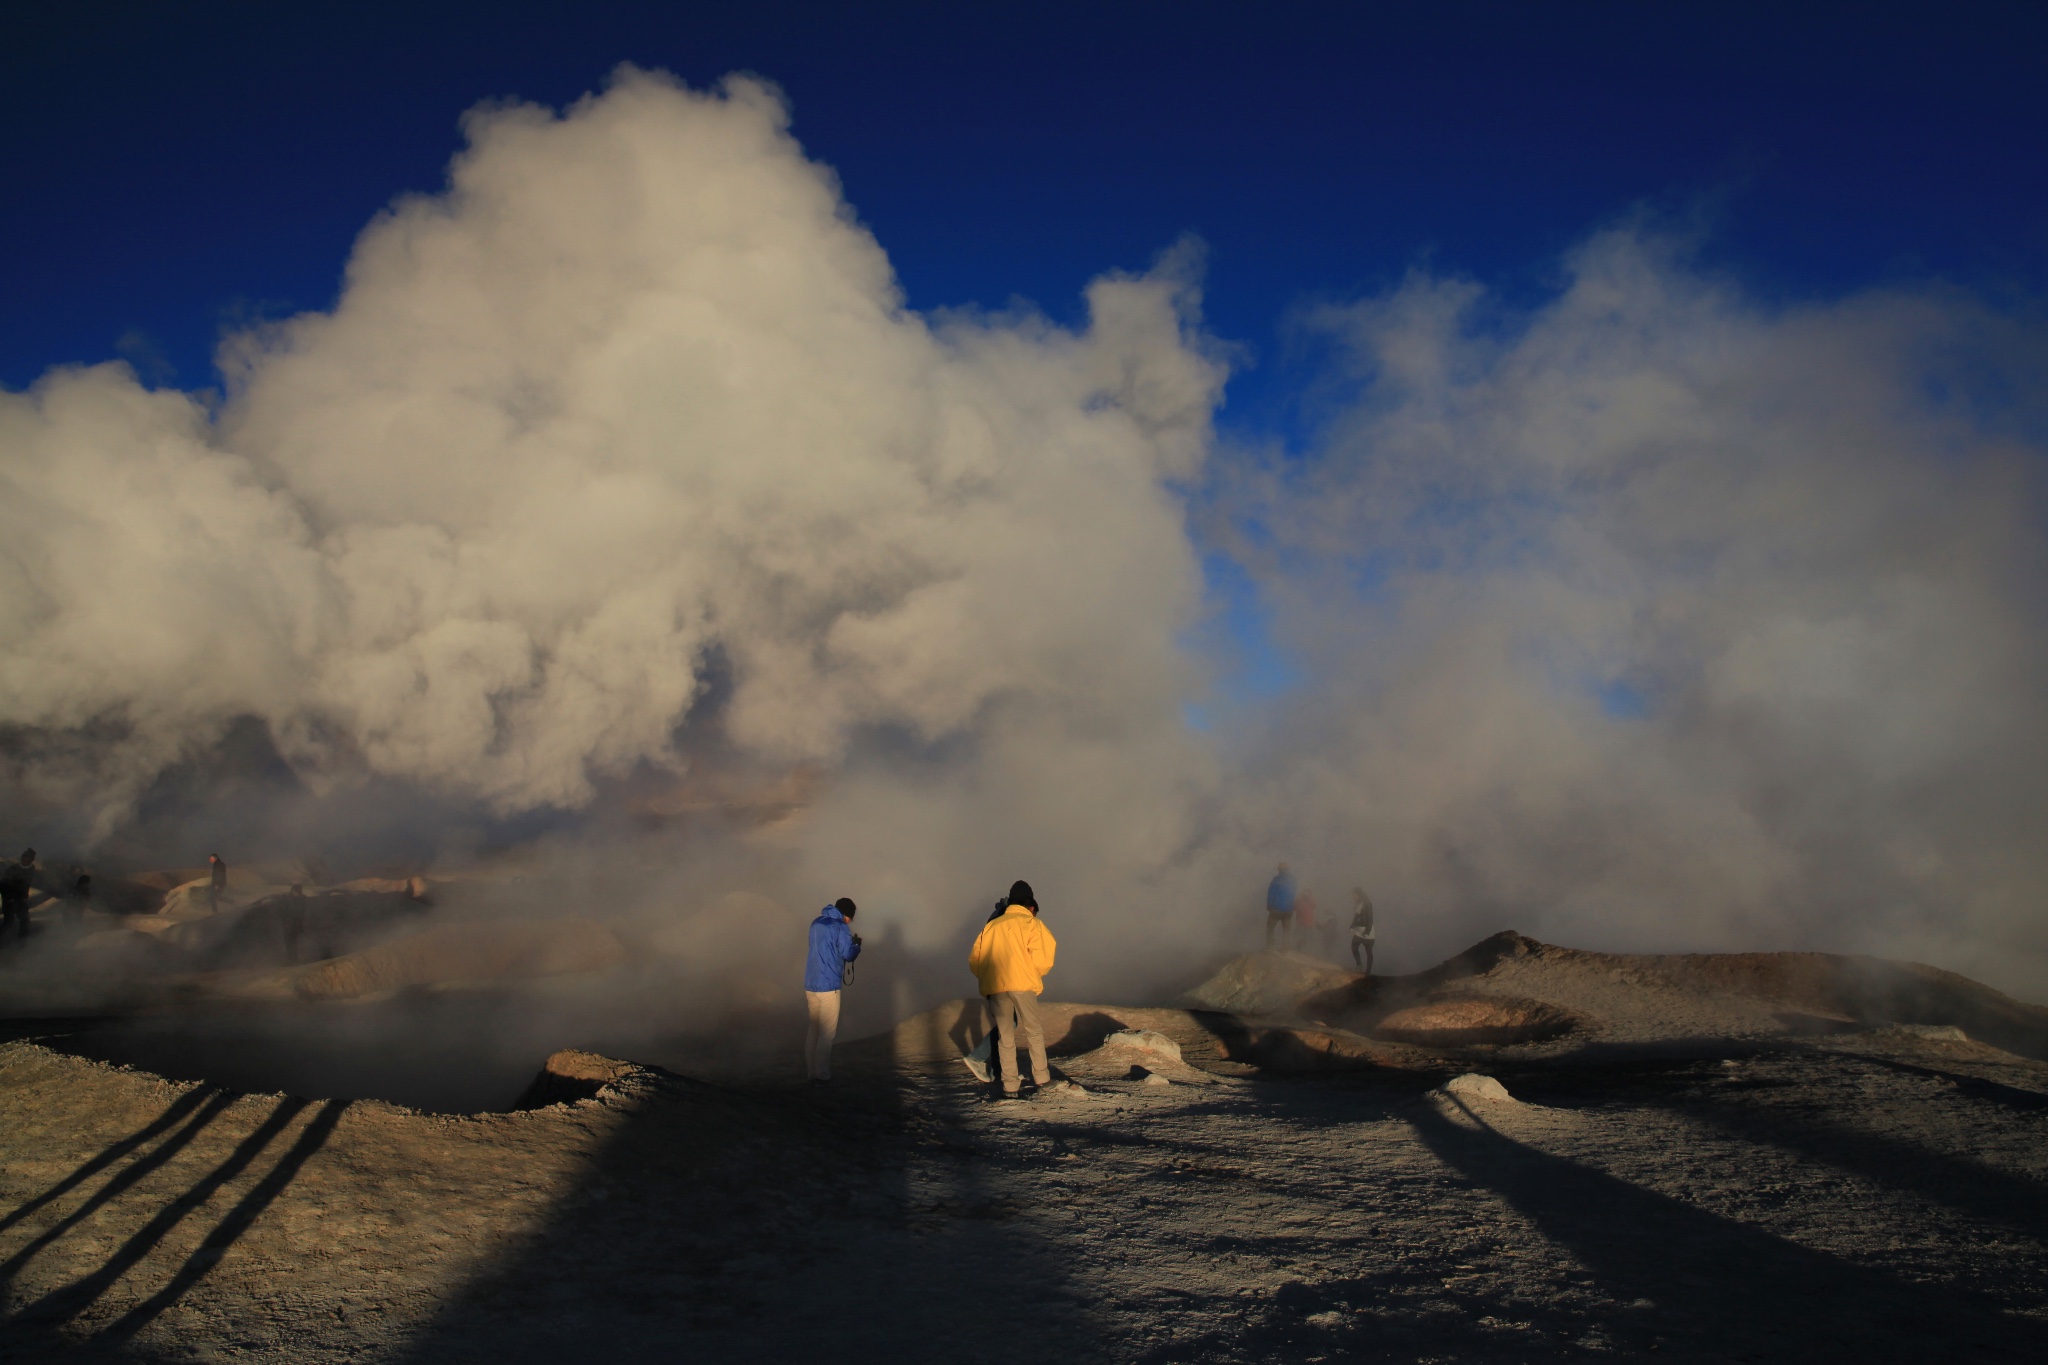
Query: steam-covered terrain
column 619, row 487
column 618, row 566
column 1756, row 1157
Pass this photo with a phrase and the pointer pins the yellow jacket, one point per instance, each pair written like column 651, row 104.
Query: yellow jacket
column 1013, row 952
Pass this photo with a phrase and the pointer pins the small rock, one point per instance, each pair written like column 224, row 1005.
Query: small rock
column 1154, row 1078
column 1473, row 1086
column 1145, row 1039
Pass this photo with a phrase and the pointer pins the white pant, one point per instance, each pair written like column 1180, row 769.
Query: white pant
column 824, row 1007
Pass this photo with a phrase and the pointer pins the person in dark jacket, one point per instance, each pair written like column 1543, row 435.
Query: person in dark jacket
column 1361, row 928
column 15, row 882
column 293, row 921
column 834, row 946
column 217, row 882
column 78, row 902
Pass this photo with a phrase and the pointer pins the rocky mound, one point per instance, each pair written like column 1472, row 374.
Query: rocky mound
column 569, row 1076
column 1510, row 989
column 1270, row 985
column 1134, row 1056
column 449, row 954
column 1457, row 1020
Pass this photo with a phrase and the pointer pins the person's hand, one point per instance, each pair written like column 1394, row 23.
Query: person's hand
column 856, row 940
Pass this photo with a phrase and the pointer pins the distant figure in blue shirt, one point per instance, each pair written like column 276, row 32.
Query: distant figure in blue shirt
column 834, row 946
column 1280, row 907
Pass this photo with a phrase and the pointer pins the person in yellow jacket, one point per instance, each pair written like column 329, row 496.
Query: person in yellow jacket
column 1010, row 958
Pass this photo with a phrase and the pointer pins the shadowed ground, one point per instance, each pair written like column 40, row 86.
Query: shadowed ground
column 1871, row 1197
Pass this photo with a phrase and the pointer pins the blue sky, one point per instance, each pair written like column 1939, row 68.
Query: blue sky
column 174, row 170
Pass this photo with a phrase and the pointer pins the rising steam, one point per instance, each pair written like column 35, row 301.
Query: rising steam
column 1655, row 619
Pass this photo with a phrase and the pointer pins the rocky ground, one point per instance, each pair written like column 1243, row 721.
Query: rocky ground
column 1707, row 1193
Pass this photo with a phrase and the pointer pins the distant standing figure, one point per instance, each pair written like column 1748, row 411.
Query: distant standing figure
column 1305, row 922
column 1010, row 958
column 1280, row 906
column 834, row 946
column 217, row 882
column 15, row 880
column 294, row 921
column 79, row 901
column 1361, row 927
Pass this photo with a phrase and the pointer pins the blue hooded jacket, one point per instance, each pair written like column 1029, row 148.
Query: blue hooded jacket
column 832, row 947
column 1280, row 895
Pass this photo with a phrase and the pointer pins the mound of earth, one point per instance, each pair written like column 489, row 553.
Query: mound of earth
column 1513, row 990
column 193, row 899
column 1133, row 1057
column 1455, row 1020
column 1269, row 984
column 449, row 954
column 572, row 1075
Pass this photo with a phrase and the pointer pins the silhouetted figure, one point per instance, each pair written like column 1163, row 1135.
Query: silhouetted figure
column 1280, row 907
column 1361, row 928
column 15, row 881
column 218, row 883
column 294, row 916
column 78, row 902
column 1305, row 921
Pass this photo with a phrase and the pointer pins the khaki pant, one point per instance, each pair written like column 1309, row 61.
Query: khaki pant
column 824, row 1007
column 1013, row 1017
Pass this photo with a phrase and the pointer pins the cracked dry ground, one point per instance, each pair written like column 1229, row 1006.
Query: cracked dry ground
column 1860, row 1200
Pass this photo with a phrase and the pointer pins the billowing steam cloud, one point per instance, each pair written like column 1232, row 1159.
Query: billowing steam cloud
column 1664, row 620
column 1656, row 619
column 634, row 389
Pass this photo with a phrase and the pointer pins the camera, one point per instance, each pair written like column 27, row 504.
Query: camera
column 856, row 940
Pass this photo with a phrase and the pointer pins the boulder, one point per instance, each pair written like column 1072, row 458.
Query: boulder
column 1472, row 1086
column 1144, row 1040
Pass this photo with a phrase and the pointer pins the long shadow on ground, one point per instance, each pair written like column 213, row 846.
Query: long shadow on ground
column 773, row 1223
column 1723, row 1290
column 37, row 1329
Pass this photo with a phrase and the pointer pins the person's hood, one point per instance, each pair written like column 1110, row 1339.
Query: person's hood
column 1023, row 910
column 828, row 914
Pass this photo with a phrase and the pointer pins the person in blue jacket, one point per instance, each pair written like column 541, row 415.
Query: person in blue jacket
column 1280, row 907
column 834, row 946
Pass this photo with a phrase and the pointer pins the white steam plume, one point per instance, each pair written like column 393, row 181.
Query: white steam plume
column 635, row 387
column 636, row 403
column 1662, row 620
